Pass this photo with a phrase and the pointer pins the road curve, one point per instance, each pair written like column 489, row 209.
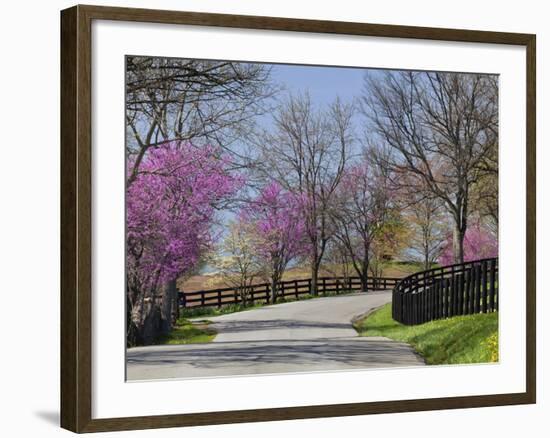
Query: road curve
column 302, row 336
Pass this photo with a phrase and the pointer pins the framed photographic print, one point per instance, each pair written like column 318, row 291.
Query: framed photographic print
column 325, row 218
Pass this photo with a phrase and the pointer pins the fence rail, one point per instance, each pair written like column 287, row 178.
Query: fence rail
column 286, row 289
column 461, row 289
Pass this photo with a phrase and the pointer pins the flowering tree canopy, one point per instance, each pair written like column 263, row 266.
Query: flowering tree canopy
column 276, row 217
column 479, row 243
column 170, row 210
column 237, row 261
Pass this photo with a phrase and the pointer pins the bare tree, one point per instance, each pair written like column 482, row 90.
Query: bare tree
column 337, row 262
column 485, row 196
column 306, row 152
column 429, row 228
column 191, row 100
column 363, row 207
column 486, row 190
column 443, row 121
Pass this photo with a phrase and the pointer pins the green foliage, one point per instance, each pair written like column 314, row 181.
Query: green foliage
column 187, row 332
column 457, row 340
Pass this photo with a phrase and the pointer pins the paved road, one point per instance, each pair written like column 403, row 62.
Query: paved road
column 311, row 335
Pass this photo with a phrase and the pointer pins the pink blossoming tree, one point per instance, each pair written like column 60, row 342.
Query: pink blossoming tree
column 479, row 243
column 170, row 208
column 276, row 218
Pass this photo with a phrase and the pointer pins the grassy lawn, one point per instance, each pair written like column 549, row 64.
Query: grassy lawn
column 187, row 332
column 457, row 340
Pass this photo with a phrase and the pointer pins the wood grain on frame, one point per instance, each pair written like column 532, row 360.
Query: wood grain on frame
column 76, row 238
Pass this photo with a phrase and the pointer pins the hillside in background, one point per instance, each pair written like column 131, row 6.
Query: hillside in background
column 213, row 281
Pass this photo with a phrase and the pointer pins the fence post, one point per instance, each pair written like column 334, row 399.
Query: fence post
column 424, row 305
column 477, row 293
column 428, row 304
column 457, row 293
column 446, row 297
column 436, row 299
column 433, row 303
column 183, row 300
column 467, row 292
column 460, row 294
column 412, row 308
column 497, row 288
column 484, row 286
column 472, row 289
column 492, row 286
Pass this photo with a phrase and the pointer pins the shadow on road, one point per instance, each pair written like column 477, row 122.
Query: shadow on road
column 353, row 352
column 280, row 324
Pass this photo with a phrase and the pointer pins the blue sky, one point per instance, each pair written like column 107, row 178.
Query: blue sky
column 324, row 83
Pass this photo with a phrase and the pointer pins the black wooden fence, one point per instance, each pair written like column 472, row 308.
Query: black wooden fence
column 461, row 289
column 294, row 289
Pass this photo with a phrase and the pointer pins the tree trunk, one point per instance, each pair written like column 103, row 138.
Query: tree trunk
column 244, row 291
column 136, row 321
column 314, row 279
column 364, row 281
column 133, row 337
column 458, row 244
column 364, row 273
column 169, row 290
column 149, row 326
column 273, row 290
column 427, row 263
column 144, row 321
column 175, row 305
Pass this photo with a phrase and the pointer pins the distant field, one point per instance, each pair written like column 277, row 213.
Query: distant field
column 213, row 281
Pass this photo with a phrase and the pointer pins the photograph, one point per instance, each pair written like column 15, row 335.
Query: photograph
column 295, row 218
column 252, row 219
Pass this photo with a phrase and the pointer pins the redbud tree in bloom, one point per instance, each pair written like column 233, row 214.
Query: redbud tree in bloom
column 277, row 220
column 170, row 209
column 479, row 243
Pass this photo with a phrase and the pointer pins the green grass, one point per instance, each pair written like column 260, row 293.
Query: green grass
column 187, row 332
column 457, row 340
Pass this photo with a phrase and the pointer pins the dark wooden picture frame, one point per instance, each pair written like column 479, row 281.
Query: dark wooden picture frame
column 76, row 218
